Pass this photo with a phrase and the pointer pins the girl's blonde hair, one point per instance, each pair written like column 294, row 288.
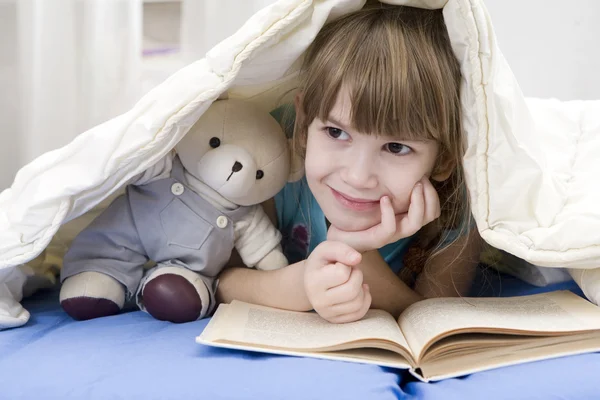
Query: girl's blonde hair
column 403, row 80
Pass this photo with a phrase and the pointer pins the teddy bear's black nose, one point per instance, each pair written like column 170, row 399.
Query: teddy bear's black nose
column 237, row 167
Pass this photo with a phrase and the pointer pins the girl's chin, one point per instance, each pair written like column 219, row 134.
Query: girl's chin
column 353, row 226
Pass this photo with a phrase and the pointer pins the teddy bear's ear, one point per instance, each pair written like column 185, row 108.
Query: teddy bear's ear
column 296, row 164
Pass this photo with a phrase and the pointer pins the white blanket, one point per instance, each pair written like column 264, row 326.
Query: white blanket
column 530, row 164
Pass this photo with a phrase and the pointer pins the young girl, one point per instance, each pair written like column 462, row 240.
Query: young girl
column 378, row 124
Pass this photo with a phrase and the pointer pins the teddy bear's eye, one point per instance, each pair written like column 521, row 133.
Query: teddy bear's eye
column 214, row 142
column 259, row 174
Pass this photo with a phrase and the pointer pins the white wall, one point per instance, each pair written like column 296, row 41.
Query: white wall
column 9, row 98
column 552, row 46
column 205, row 23
column 65, row 66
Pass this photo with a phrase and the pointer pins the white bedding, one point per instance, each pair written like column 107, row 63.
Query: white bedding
column 530, row 163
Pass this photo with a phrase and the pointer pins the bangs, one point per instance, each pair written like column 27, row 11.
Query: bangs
column 395, row 72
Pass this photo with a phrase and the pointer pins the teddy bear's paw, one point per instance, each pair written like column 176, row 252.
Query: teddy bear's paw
column 89, row 295
column 176, row 295
column 274, row 260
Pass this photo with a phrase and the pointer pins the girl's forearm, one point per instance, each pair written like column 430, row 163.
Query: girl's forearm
column 281, row 288
column 388, row 292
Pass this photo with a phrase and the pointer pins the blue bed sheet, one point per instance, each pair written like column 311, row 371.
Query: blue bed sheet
column 133, row 356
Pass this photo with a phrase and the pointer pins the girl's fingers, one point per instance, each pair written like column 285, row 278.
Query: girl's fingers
column 432, row 202
column 347, row 291
column 351, row 306
column 334, row 275
column 335, row 251
column 416, row 211
column 355, row 316
column 380, row 234
column 388, row 226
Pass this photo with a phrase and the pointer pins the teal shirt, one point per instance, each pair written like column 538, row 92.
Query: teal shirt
column 303, row 226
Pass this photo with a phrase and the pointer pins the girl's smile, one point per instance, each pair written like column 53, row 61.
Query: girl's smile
column 355, row 204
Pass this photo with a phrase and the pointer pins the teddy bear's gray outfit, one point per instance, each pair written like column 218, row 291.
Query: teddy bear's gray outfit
column 164, row 221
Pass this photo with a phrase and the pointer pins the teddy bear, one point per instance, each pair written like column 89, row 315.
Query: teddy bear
column 164, row 241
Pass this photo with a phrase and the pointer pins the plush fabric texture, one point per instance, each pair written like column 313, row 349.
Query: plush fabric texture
column 529, row 163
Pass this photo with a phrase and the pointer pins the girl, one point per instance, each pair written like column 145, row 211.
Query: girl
column 378, row 125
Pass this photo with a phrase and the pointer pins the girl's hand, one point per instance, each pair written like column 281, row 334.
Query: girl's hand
column 424, row 208
column 333, row 285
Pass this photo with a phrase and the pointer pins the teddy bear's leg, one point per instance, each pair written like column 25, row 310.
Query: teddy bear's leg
column 103, row 265
column 90, row 295
column 174, row 293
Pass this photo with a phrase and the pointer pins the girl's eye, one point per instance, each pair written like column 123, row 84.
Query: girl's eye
column 398, row 148
column 337, row 133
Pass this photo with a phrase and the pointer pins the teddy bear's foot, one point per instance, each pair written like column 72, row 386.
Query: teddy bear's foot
column 175, row 294
column 89, row 295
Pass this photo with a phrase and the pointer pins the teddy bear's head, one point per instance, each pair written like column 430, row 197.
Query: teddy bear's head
column 240, row 151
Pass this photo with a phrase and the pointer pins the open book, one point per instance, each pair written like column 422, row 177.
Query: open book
column 434, row 338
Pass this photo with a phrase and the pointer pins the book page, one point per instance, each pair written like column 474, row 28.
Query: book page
column 513, row 352
column 551, row 313
column 264, row 326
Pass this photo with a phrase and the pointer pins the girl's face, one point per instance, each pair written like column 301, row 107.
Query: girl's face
column 348, row 172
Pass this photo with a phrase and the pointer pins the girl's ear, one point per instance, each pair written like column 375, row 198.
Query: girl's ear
column 443, row 168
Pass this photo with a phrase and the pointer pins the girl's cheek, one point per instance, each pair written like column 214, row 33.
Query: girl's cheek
column 401, row 207
column 313, row 166
column 402, row 199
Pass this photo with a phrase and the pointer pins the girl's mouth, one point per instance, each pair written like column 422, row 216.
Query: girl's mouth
column 354, row 203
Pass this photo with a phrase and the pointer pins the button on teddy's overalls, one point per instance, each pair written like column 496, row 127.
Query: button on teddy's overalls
column 177, row 189
column 222, row 222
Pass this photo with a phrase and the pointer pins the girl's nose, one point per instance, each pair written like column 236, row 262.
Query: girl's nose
column 359, row 172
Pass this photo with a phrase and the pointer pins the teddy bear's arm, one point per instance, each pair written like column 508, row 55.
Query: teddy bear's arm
column 274, row 260
column 258, row 241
